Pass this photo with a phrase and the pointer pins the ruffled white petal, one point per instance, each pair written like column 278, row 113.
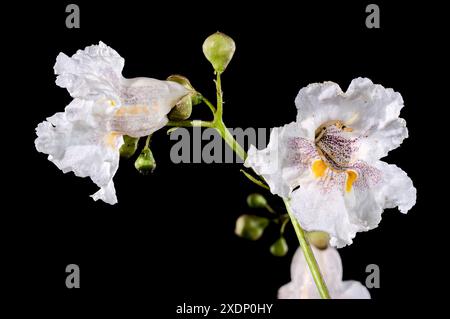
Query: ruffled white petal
column 106, row 194
column 348, row 190
column 397, row 190
column 285, row 161
column 324, row 211
column 86, row 138
column 302, row 284
column 325, row 204
column 370, row 109
column 81, row 147
column 92, row 73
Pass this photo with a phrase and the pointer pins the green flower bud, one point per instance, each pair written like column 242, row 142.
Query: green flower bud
column 145, row 163
column 251, row 226
column 129, row 146
column 279, row 248
column 219, row 48
column 184, row 81
column 256, row 200
column 319, row 239
column 182, row 110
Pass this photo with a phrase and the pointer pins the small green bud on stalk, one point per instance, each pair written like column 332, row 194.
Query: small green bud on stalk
column 256, row 200
column 319, row 239
column 219, row 49
column 182, row 110
column 145, row 163
column 279, row 248
column 251, row 226
column 129, row 146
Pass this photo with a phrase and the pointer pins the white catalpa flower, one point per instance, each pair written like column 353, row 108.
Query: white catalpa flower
column 86, row 137
column 302, row 284
column 328, row 161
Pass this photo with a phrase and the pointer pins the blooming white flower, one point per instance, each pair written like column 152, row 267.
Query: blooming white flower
column 302, row 284
column 332, row 154
column 86, row 137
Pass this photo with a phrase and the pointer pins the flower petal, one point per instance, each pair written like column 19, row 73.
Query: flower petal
column 325, row 210
column 82, row 148
column 302, row 285
column 106, row 194
column 352, row 289
column 145, row 105
column 327, row 204
column 286, row 159
column 397, row 190
column 371, row 110
column 92, row 73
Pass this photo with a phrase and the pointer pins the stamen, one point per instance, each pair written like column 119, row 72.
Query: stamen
column 352, row 119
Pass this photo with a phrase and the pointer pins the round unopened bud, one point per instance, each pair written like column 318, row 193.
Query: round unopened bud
column 182, row 110
column 251, row 226
column 129, row 146
column 145, row 163
column 279, row 248
column 256, row 200
column 180, row 79
column 219, row 48
column 319, row 239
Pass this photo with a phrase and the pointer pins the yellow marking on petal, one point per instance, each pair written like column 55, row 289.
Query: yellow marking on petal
column 319, row 167
column 351, row 178
column 132, row 110
column 121, row 111
column 111, row 138
column 112, row 103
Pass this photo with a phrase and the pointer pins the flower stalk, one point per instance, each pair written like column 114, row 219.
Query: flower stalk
column 226, row 135
column 309, row 255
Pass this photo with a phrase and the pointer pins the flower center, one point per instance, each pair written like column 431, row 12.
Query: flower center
column 334, row 146
column 335, row 149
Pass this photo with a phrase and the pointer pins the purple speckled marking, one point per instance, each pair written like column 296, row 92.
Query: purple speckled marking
column 337, row 151
column 303, row 152
column 337, row 148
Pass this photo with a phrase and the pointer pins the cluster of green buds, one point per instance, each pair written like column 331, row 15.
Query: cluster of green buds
column 145, row 162
column 252, row 227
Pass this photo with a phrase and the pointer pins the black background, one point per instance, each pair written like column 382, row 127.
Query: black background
column 170, row 238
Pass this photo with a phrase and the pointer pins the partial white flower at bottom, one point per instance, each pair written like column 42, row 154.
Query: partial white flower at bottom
column 328, row 160
column 302, row 285
column 87, row 136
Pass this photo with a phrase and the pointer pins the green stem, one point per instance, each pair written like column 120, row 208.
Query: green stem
column 255, row 180
column 219, row 111
column 210, row 105
column 285, row 220
column 229, row 139
column 270, row 209
column 224, row 132
column 147, row 140
column 308, row 253
column 190, row 123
